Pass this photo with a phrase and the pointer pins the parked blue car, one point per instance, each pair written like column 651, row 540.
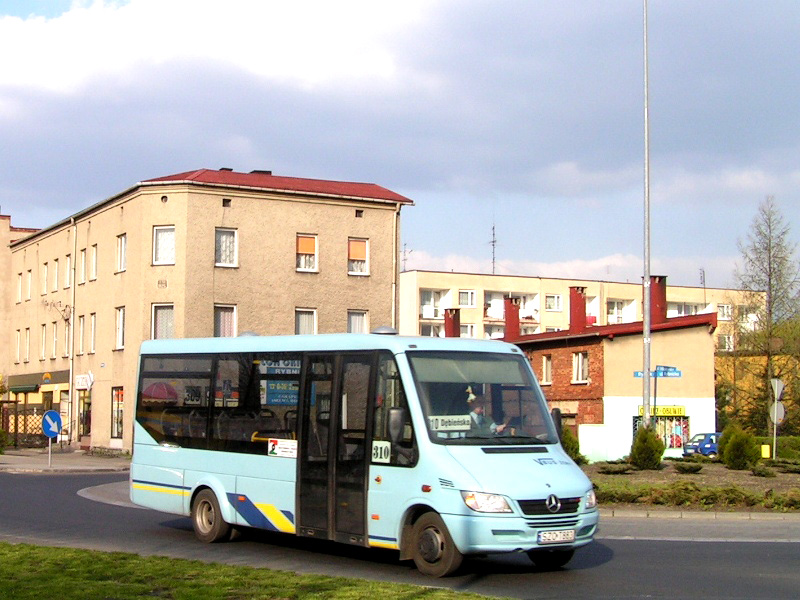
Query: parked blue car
column 702, row 443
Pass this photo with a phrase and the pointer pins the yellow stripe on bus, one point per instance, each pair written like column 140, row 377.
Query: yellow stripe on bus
column 276, row 517
column 388, row 545
column 162, row 490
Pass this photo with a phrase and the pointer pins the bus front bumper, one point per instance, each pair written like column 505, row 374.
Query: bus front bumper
column 486, row 533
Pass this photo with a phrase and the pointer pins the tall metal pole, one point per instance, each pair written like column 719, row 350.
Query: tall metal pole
column 646, row 276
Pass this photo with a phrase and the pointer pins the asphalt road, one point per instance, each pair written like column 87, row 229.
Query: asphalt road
column 632, row 558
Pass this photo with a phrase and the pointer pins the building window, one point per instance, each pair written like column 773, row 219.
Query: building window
column 66, row 339
column 466, row 298
column 164, row 245
column 224, row 320
column 429, row 304
column 357, row 256
column 426, row 330
column 19, row 288
column 682, row 309
column 68, row 271
column 580, row 367
column 225, row 247
column 494, row 332
column 724, row 312
column 357, row 321
column 27, row 344
column 44, row 279
column 547, row 369
column 122, row 252
column 19, row 345
column 120, row 328
column 552, row 302
column 30, row 285
column 117, row 410
column 54, row 353
column 163, row 322
column 81, row 326
column 55, row 275
column 93, row 264
column 43, row 342
column 92, row 333
column 306, row 252
column 725, row 342
column 614, row 310
column 82, row 266
column 468, row 330
column 305, row 321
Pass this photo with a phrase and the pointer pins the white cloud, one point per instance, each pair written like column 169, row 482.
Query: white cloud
column 305, row 42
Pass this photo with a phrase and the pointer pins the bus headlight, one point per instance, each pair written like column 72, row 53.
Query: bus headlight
column 591, row 499
column 490, row 503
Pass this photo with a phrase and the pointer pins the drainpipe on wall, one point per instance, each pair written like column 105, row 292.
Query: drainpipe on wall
column 396, row 238
column 452, row 322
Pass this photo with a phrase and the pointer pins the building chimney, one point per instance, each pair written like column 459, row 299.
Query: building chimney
column 577, row 309
column 511, row 308
column 452, row 322
column 658, row 299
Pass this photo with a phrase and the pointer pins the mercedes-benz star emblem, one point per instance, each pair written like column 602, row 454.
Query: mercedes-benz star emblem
column 552, row 503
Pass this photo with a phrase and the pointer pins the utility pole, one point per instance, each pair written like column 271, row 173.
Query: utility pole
column 646, row 278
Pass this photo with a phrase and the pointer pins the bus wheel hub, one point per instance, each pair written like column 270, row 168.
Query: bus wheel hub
column 431, row 545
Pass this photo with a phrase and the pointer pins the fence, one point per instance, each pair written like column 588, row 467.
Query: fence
column 23, row 425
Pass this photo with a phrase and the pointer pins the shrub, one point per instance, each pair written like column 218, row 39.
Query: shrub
column 688, row 468
column 4, row 441
column 646, row 450
column 762, row 471
column 572, row 446
column 741, row 451
column 788, row 446
column 614, row 469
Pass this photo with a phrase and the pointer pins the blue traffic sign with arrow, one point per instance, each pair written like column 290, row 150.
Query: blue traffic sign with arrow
column 51, row 423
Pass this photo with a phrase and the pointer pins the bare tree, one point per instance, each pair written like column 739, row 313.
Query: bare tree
column 767, row 331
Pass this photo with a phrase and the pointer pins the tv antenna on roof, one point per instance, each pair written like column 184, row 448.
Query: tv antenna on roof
column 494, row 247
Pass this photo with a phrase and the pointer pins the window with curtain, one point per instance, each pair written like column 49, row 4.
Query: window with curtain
column 357, row 257
column 305, row 321
column 306, row 252
column 164, row 245
column 225, row 251
column 357, row 321
column 163, row 321
column 120, row 329
column 117, row 406
column 580, row 367
column 547, row 369
column 224, row 321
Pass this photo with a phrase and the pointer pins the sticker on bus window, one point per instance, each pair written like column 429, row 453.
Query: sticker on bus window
column 282, row 448
column 381, row 451
column 450, row 423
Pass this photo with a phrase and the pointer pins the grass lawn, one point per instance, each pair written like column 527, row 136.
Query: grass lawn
column 36, row 572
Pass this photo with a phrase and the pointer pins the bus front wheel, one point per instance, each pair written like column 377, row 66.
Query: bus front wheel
column 550, row 560
column 435, row 554
column 209, row 526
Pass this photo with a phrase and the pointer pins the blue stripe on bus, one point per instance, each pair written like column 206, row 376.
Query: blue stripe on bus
column 255, row 517
column 159, row 484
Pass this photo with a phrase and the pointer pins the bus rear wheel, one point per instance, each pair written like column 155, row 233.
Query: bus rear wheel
column 209, row 526
column 550, row 560
column 435, row 553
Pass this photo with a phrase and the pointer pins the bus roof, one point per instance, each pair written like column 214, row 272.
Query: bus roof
column 321, row 343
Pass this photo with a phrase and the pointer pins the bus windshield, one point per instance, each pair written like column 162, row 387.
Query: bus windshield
column 478, row 398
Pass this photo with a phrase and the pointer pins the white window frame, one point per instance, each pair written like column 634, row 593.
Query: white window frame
column 470, row 298
column 298, row 255
column 305, row 311
column 119, row 328
column 81, row 332
column 82, row 267
column 93, row 263
column 122, row 252
column 353, row 265
column 467, row 330
column 725, row 312
column 232, row 307
column 55, row 275
column 66, row 339
column 27, row 344
column 68, row 273
column 557, row 304
column 163, row 229
column 54, row 352
column 19, row 288
column 217, row 232
column 616, row 313
column 44, row 278
column 431, row 330
column 30, row 285
column 19, row 345
column 725, row 342
column 155, row 308
column 580, row 367
column 43, row 342
column 360, row 313
column 547, row 369
column 92, row 333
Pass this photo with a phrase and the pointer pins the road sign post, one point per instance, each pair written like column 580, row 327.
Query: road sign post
column 776, row 413
column 51, row 427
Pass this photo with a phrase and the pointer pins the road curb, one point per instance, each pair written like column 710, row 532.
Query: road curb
column 645, row 513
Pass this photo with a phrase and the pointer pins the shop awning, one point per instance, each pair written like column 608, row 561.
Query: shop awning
column 20, row 389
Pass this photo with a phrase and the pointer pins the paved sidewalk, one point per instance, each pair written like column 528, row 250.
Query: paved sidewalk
column 67, row 460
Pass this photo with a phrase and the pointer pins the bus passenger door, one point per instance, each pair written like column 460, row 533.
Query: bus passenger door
column 333, row 459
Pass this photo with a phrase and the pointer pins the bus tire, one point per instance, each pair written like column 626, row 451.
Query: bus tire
column 433, row 550
column 550, row 560
column 209, row 526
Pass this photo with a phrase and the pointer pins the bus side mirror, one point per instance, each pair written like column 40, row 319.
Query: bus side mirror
column 397, row 422
column 556, row 414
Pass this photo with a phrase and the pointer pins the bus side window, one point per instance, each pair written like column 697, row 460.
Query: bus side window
column 390, row 393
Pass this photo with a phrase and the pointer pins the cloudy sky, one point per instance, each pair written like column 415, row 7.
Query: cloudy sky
column 526, row 115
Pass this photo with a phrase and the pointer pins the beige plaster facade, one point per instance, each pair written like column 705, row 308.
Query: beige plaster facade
column 146, row 263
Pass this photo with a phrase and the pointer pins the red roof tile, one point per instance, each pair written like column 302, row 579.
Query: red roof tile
column 266, row 181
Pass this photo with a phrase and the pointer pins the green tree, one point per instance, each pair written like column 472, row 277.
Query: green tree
column 767, row 322
column 646, row 450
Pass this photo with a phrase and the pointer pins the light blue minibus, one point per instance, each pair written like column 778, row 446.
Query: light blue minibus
column 438, row 448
